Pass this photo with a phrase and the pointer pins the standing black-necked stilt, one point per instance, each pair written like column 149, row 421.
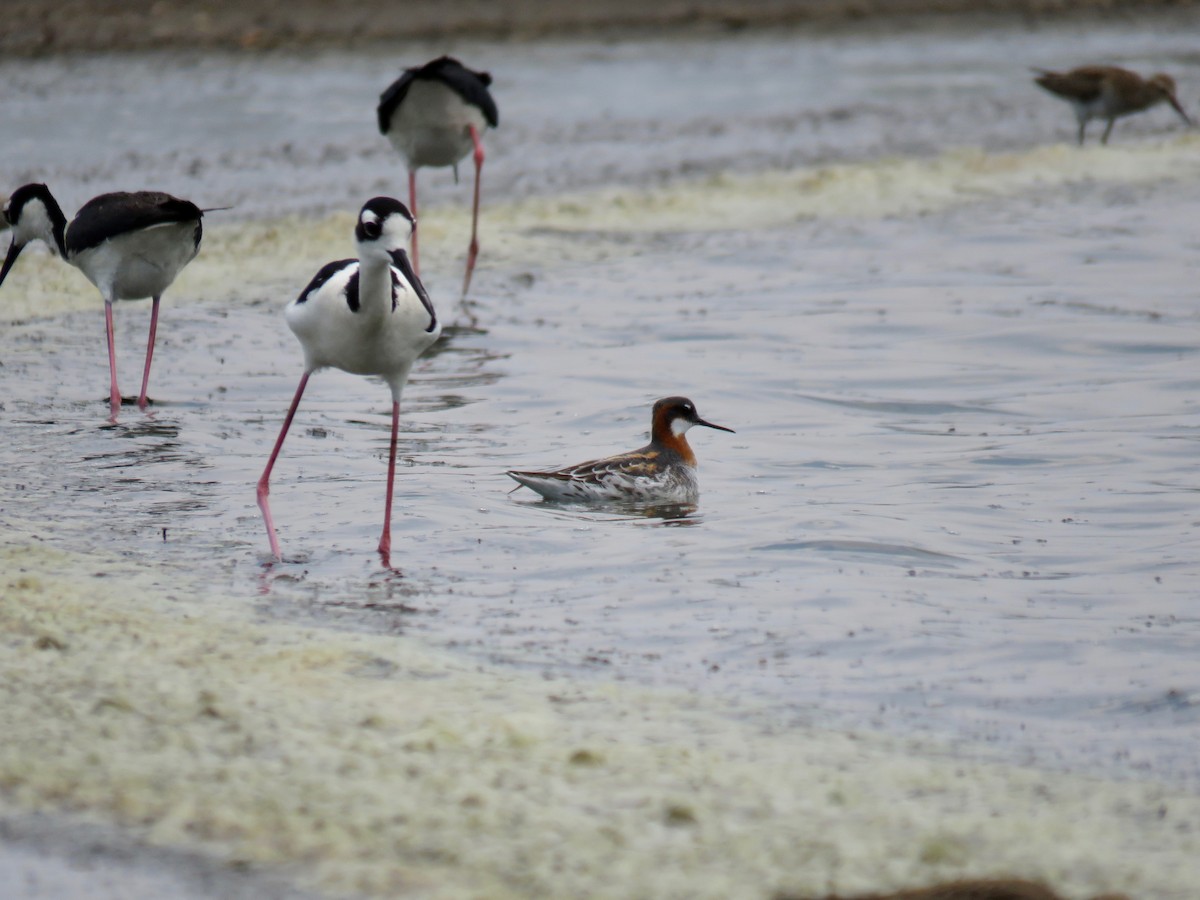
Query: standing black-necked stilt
column 129, row 245
column 367, row 316
column 434, row 115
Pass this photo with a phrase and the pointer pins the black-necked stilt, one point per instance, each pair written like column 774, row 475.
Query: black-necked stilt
column 434, row 115
column 664, row 471
column 367, row 316
column 129, row 245
column 1109, row 92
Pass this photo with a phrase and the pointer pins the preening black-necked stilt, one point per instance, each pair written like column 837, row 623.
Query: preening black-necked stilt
column 1109, row 92
column 367, row 316
column 434, row 115
column 129, row 245
column 664, row 471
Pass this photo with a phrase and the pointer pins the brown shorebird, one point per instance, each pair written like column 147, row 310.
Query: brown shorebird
column 1109, row 92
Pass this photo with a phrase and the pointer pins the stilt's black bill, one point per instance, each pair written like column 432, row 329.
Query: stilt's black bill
column 14, row 250
column 401, row 262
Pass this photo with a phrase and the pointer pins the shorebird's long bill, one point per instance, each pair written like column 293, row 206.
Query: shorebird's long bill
column 14, row 250
column 1170, row 99
column 400, row 260
column 700, row 421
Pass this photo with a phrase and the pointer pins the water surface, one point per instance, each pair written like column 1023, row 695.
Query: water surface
column 961, row 499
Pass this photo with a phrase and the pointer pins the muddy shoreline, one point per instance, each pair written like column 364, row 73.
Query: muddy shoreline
column 38, row 28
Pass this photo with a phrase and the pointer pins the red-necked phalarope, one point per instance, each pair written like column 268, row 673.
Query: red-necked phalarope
column 434, row 115
column 366, row 316
column 129, row 245
column 1109, row 92
column 664, row 471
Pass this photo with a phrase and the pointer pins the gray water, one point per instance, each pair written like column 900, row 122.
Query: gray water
column 284, row 133
column 961, row 500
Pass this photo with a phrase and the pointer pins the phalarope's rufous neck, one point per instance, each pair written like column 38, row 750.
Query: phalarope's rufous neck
column 366, row 316
column 434, row 115
column 1109, row 92
column 664, row 471
column 129, row 245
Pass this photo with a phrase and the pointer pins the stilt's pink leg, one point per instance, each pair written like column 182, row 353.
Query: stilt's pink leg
column 114, row 393
column 412, row 208
column 385, row 540
column 473, row 249
column 264, row 485
column 149, row 353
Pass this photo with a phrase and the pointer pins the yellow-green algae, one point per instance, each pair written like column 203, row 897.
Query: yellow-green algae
column 271, row 261
column 372, row 764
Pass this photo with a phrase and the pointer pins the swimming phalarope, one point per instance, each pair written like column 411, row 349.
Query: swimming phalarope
column 664, row 471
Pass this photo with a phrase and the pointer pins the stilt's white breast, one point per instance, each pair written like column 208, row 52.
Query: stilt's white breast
column 139, row 264
column 432, row 126
column 374, row 339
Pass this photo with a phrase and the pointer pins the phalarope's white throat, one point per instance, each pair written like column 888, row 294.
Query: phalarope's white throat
column 434, row 115
column 366, row 316
column 1109, row 92
column 664, row 471
column 129, row 245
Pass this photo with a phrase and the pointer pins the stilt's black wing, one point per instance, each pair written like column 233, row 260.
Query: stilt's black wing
column 110, row 215
column 326, row 272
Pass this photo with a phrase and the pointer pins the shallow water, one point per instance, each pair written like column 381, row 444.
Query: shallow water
column 961, row 499
column 277, row 133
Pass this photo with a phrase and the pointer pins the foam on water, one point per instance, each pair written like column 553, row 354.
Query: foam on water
column 373, row 765
column 241, row 260
column 877, row 189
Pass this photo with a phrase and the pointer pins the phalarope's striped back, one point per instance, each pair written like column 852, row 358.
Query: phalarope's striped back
column 664, row 471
